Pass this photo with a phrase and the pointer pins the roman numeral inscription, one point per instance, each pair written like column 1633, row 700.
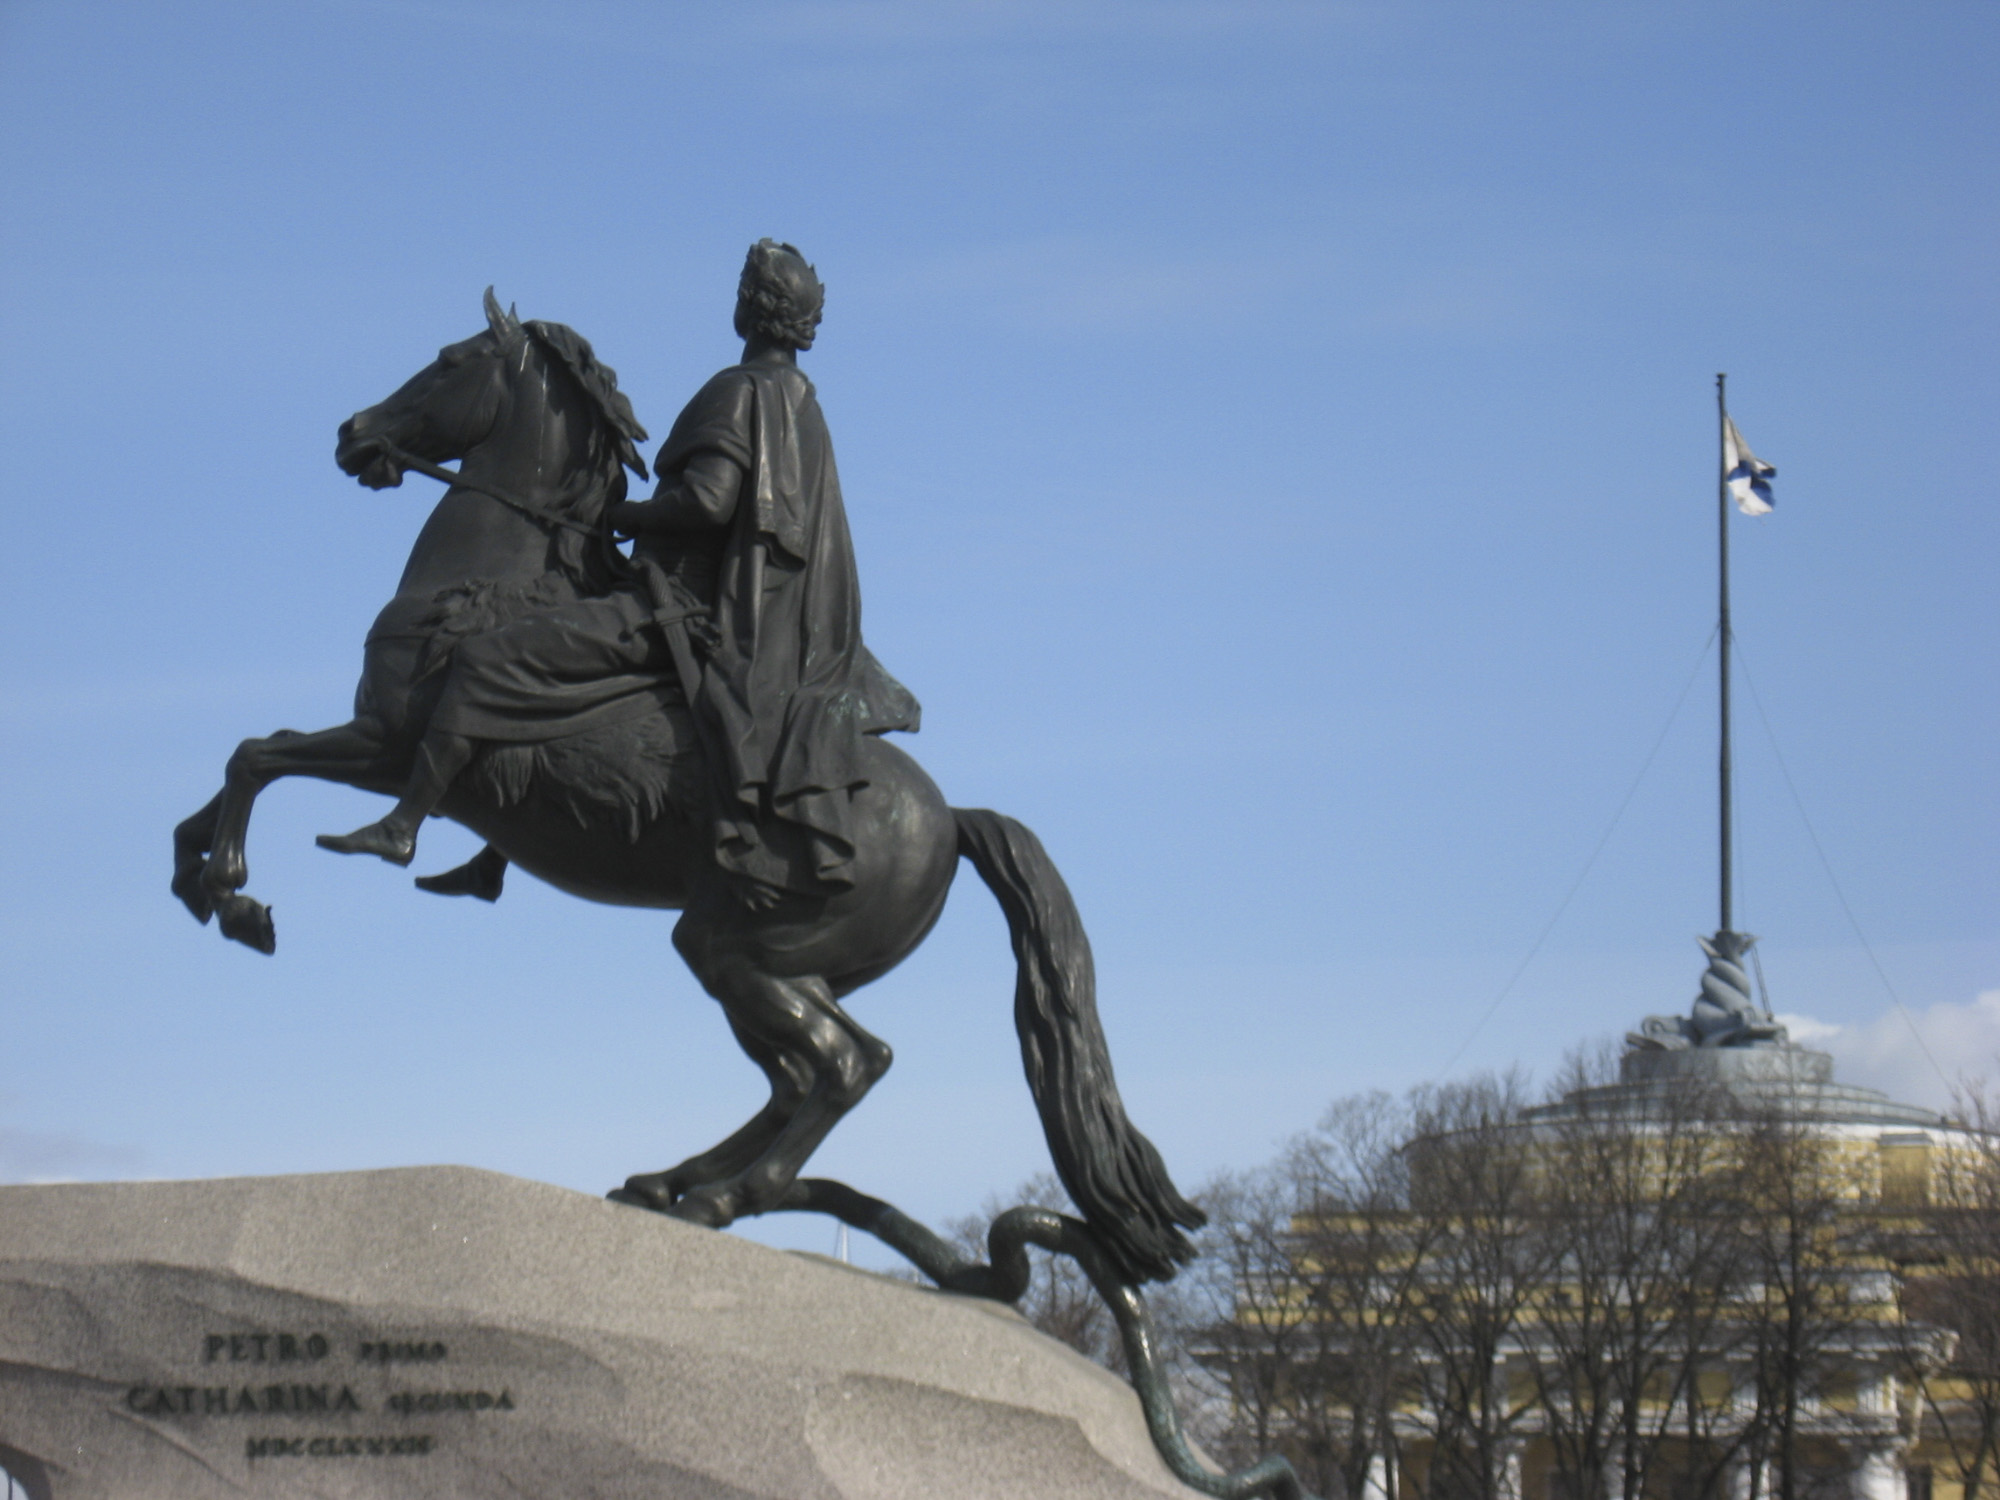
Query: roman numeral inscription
column 310, row 1374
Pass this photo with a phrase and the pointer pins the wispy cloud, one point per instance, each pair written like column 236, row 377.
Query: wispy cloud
column 1916, row 1058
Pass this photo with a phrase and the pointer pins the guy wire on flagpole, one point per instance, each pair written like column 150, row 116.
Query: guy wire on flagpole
column 1687, row 686
column 1840, row 895
column 1722, row 626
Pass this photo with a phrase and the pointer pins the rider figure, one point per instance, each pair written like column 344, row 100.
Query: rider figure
column 746, row 600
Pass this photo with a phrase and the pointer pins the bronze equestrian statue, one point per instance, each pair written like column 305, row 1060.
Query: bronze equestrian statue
column 696, row 727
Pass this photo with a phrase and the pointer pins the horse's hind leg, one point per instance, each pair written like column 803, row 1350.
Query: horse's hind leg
column 798, row 1017
column 352, row 753
column 845, row 1062
column 791, row 1081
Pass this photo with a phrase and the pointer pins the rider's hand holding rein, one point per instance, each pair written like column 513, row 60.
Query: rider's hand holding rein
column 703, row 496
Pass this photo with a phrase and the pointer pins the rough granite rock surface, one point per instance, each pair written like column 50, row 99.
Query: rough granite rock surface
column 442, row 1331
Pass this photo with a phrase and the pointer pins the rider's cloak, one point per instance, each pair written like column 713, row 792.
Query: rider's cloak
column 787, row 690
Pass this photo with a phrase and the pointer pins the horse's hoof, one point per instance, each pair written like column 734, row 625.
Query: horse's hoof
column 247, row 921
column 193, row 895
column 701, row 1207
column 654, row 1190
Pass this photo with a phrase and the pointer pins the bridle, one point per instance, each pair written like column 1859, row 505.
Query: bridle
column 458, row 481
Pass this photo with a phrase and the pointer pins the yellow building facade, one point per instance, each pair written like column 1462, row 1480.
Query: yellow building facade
column 1797, row 1371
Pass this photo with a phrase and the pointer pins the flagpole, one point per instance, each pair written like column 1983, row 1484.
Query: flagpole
column 1722, row 552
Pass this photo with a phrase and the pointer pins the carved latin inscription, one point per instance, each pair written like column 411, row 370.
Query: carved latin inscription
column 312, row 1385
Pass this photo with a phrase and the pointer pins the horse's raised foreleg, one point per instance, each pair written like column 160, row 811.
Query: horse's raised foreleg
column 192, row 837
column 352, row 753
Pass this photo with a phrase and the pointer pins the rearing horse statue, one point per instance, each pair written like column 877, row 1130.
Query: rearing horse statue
column 615, row 814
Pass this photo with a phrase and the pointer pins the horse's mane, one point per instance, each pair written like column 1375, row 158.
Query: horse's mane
column 613, row 449
column 599, row 382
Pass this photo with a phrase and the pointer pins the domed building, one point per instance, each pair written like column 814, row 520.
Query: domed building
column 1862, row 1185
column 1722, row 1274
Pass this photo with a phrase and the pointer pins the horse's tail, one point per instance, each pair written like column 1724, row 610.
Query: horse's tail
column 1113, row 1173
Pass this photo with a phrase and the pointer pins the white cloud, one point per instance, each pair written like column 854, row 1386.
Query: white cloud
column 1917, row 1059
column 1807, row 1032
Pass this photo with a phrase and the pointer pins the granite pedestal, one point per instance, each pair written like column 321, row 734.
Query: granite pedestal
column 441, row 1331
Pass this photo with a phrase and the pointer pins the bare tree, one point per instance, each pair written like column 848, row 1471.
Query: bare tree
column 1258, row 1338
column 1957, row 1289
column 1642, row 1265
column 1800, row 1246
column 1473, row 1189
column 1363, row 1255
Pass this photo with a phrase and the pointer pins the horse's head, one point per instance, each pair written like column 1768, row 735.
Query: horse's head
column 545, row 435
column 442, row 411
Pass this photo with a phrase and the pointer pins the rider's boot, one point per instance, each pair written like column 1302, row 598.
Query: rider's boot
column 483, row 876
column 391, row 838
column 440, row 758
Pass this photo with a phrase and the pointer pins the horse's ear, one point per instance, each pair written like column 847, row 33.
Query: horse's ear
column 506, row 327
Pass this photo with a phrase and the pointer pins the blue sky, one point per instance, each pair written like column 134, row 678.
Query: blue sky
column 1279, row 441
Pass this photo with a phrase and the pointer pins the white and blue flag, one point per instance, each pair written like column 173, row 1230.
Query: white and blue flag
column 1748, row 476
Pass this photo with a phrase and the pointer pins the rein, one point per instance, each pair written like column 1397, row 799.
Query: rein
column 458, row 481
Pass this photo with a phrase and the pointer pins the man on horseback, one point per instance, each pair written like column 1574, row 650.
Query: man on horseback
column 691, row 729
column 744, row 599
